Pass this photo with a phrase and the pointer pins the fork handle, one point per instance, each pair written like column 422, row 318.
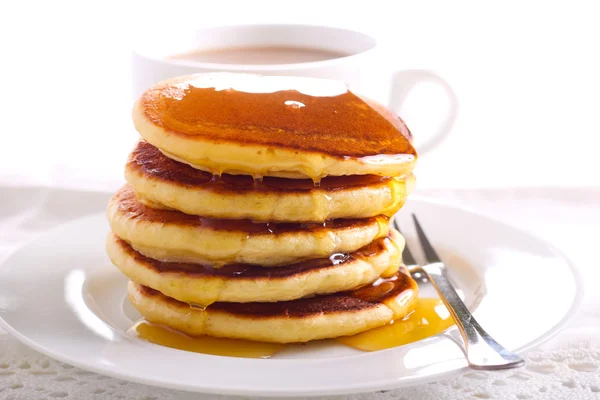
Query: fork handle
column 482, row 351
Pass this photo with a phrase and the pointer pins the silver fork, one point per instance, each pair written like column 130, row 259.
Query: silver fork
column 482, row 351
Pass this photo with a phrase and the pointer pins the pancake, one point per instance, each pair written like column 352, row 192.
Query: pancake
column 161, row 182
column 174, row 236
column 242, row 283
column 302, row 320
column 290, row 127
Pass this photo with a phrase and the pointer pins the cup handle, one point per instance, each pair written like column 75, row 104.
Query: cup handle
column 403, row 82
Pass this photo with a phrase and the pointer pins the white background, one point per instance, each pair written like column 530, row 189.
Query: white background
column 527, row 75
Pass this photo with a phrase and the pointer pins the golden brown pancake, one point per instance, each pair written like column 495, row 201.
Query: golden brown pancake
column 202, row 284
column 289, row 127
column 174, row 236
column 161, row 182
column 319, row 317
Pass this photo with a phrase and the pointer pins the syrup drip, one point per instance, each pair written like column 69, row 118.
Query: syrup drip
column 129, row 204
column 168, row 337
column 257, row 181
column 398, row 191
column 198, row 307
column 393, row 268
column 153, row 161
column 429, row 318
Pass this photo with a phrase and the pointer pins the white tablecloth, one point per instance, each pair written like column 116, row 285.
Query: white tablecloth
column 567, row 367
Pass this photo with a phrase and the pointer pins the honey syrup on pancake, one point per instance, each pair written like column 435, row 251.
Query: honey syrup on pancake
column 298, row 114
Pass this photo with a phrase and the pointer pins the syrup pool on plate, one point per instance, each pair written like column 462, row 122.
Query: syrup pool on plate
column 429, row 318
column 168, row 337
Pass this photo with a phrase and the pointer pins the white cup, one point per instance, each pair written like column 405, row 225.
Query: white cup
column 364, row 70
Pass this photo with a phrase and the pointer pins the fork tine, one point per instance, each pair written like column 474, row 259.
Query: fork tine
column 407, row 257
column 430, row 253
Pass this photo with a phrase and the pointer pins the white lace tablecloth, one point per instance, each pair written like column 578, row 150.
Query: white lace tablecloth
column 567, row 367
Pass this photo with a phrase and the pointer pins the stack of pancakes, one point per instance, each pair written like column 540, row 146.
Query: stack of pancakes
column 258, row 208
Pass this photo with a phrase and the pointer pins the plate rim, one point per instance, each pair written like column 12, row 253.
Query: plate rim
column 266, row 392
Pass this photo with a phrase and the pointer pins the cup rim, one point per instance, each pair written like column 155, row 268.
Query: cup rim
column 264, row 67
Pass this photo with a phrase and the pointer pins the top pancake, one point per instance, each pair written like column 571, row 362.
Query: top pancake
column 273, row 126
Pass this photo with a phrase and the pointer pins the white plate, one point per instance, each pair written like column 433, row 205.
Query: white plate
column 61, row 296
